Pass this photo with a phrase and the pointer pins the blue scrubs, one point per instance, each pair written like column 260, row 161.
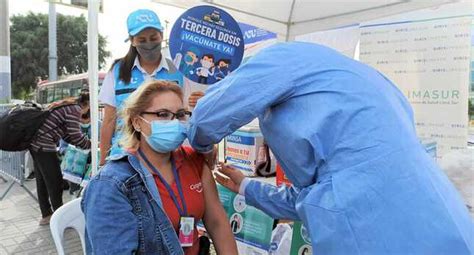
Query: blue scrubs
column 345, row 136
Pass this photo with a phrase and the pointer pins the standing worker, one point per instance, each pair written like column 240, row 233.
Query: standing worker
column 62, row 123
column 345, row 137
column 143, row 62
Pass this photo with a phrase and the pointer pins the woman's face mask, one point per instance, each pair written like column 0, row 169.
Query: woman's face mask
column 165, row 136
column 85, row 125
column 150, row 51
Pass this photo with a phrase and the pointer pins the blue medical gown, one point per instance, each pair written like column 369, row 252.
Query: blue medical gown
column 345, row 137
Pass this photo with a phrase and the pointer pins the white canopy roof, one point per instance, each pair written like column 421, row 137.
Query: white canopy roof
column 290, row 18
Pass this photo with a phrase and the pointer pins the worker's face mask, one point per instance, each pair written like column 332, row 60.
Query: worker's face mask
column 165, row 136
column 150, row 51
column 188, row 59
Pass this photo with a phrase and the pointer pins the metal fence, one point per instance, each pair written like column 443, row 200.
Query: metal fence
column 13, row 165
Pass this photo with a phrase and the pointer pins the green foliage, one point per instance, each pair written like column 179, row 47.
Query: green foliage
column 471, row 109
column 29, row 49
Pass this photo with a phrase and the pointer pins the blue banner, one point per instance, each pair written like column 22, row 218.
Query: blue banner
column 253, row 34
column 247, row 140
column 206, row 44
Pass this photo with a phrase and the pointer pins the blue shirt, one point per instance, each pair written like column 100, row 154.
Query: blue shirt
column 345, row 137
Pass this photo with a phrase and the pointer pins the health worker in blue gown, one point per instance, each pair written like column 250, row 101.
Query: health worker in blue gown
column 345, row 137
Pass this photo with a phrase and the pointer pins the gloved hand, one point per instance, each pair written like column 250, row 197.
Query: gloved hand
column 229, row 177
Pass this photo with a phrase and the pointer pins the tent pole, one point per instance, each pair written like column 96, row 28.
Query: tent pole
column 93, row 73
column 288, row 24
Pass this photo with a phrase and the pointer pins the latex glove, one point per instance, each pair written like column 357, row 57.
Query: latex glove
column 229, row 177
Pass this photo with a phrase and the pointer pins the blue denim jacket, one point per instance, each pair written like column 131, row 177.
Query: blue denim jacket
column 124, row 213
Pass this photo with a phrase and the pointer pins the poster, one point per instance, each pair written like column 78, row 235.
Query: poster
column 300, row 241
column 427, row 55
column 251, row 227
column 471, row 93
column 254, row 39
column 206, row 44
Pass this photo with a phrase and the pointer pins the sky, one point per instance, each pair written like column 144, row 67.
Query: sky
column 112, row 22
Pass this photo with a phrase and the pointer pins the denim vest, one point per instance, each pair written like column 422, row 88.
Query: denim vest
column 123, row 90
column 124, row 213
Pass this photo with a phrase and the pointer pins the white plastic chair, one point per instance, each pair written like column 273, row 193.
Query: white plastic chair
column 68, row 216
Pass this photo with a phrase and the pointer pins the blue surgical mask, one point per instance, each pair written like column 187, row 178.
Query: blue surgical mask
column 188, row 58
column 165, row 136
column 85, row 125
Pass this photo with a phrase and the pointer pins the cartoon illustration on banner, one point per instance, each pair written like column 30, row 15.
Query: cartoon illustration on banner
column 206, row 44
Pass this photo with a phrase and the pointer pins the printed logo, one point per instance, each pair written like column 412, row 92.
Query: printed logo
column 196, row 187
column 145, row 18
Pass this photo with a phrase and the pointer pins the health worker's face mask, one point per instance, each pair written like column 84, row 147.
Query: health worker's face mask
column 188, row 59
column 150, row 51
column 165, row 135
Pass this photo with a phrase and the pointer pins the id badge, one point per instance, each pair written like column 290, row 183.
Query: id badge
column 186, row 231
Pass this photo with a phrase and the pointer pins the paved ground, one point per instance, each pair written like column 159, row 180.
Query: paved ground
column 19, row 213
column 19, row 229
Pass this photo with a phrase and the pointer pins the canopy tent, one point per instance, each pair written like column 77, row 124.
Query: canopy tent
column 287, row 18
column 290, row 18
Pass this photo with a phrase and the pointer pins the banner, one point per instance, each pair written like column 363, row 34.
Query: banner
column 254, row 39
column 342, row 39
column 253, row 34
column 301, row 241
column 427, row 55
column 206, row 44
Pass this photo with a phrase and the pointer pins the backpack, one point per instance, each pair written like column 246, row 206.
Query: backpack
column 19, row 125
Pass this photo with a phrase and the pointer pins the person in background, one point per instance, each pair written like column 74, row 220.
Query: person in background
column 85, row 124
column 62, row 123
column 143, row 62
column 346, row 139
column 146, row 200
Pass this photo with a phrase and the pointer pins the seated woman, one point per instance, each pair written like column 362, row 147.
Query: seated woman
column 150, row 199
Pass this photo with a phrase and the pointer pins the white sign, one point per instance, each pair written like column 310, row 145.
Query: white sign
column 427, row 55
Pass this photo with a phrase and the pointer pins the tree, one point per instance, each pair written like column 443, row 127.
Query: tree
column 29, row 49
column 471, row 109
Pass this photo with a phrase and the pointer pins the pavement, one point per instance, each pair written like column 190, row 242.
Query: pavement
column 19, row 229
column 19, row 212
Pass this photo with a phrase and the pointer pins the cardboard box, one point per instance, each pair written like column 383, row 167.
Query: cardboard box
column 245, row 149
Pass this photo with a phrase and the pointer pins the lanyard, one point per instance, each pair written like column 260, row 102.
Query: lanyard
column 183, row 211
